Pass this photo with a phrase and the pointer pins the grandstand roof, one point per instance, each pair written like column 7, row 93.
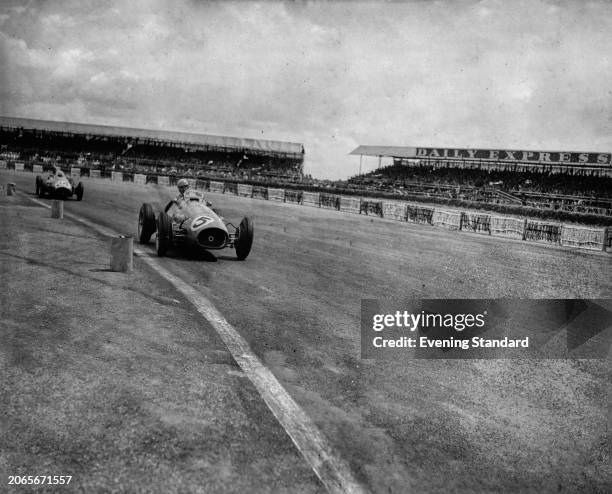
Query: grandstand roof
column 185, row 138
column 391, row 151
column 565, row 158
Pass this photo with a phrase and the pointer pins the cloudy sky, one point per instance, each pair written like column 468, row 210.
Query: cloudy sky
column 331, row 75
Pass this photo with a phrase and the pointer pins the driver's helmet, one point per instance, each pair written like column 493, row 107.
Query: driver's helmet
column 182, row 185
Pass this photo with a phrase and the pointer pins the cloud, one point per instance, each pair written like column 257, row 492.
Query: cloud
column 332, row 75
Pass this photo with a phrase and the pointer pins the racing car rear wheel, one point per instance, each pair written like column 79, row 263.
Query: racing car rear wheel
column 164, row 234
column 245, row 238
column 146, row 223
column 79, row 191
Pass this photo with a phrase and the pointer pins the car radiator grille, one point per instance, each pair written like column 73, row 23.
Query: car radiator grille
column 212, row 238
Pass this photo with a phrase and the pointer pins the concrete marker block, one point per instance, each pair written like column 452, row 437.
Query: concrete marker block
column 57, row 209
column 122, row 254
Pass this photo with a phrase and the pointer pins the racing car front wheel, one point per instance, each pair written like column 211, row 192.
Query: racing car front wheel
column 146, row 223
column 245, row 238
column 164, row 234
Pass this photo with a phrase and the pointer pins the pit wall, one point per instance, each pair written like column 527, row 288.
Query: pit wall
column 526, row 229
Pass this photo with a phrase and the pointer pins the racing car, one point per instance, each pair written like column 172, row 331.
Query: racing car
column 56, row 184
column 192, row 221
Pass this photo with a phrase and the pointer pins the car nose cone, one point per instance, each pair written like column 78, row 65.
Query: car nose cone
column 213, row 238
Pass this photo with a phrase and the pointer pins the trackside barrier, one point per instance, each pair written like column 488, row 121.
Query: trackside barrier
column 394, row 210
column 94, row 174
column 19, row 167
column 419, row 214
column 245, row 190
column 260, row 192
column 293, row 196
column 276, row 194
column 329, row 201
column 608, row 238
column 2, row 165
column 140, row 179
column 538, row 231
column 583, row 237
column 479, row 223
column 446, row 219
column 201, row 184
column 117, row 176
column 75, row 173
column 218, row 187
column 192, row 182
column 371, row 208
column 163, row 180
column 311, row 199
column 37, row 169
column 231, row 188
column 504, row 226
column 350, row 204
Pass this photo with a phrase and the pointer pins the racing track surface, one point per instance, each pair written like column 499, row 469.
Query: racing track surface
column 429, row 426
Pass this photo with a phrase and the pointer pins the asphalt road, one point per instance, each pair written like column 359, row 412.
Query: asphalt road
column 113, row 379
column 421, row 425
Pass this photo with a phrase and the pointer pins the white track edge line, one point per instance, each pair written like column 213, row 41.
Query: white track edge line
column 331, row 470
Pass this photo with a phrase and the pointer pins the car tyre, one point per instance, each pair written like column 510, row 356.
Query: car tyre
column 244, row 241
column 146, row 223
column 164, row 234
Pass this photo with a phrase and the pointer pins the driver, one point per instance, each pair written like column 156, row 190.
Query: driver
column 182, row 186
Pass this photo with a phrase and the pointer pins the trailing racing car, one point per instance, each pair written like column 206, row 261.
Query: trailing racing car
column 55, row 184
column 192, row 221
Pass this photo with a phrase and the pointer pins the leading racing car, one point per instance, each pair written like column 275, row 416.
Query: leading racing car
column 192, row 221
column 56, row 184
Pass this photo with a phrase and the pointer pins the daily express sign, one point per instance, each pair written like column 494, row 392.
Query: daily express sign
column 518, row 156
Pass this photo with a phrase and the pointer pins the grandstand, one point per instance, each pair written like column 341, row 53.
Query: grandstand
column 578, row 182
column 553, row 185
column 119, row 148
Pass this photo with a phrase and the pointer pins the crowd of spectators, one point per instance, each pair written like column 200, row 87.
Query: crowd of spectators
column 570, row 183
column 118, row 154
column 571, row 190
column 58, row 145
